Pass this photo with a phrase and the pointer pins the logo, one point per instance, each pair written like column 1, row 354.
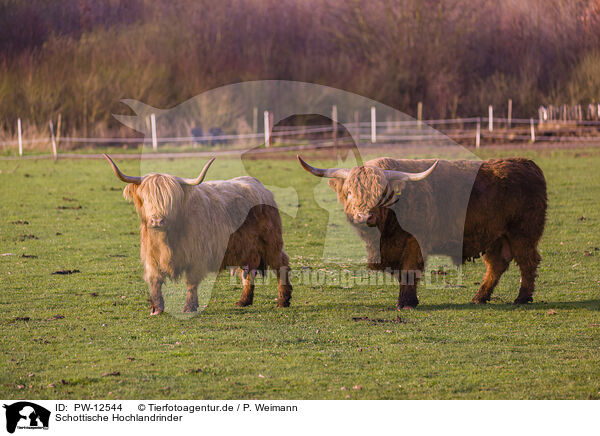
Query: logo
column 26, row 415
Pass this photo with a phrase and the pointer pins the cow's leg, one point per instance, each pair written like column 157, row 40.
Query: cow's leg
column 247, row 297
column 191, row 301
column 157, row 303
column 407, row 297
column 193, row 277
column 283, row 281
column 496, row 258
column 528, row 259
column 412, row 268
column 247, row 274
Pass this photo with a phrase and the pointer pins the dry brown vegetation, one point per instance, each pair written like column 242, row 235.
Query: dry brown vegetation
column 80, row 57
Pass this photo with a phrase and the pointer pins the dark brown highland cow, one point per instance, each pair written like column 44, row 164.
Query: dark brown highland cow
column 193, row 228
column 408, row 209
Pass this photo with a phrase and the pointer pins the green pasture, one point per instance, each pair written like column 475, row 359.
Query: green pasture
column 89, row 334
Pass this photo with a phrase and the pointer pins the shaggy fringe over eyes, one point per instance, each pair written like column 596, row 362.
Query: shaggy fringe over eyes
column 162, row 193
column 129, row 191
column 368, row 187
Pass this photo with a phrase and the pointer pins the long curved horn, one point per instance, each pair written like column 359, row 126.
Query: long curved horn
column 123, row 177
column 413, row 177
column 199, row 179
column 338, row 173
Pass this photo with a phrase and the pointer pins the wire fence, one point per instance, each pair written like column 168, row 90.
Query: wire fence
column 473, row 131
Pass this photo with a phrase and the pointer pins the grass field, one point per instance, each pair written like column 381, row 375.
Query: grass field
column 89, row 334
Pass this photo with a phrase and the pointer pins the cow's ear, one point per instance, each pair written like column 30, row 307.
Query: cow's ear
column 129, row 191
column 336, row 185
column 186, row 192
column 398, row 186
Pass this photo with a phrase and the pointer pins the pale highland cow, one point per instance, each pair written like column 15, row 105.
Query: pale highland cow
column 192, row 228
column 408, row 204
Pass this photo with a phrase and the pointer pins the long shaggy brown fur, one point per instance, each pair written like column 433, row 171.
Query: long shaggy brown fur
column 206, row 228
column 504, row 218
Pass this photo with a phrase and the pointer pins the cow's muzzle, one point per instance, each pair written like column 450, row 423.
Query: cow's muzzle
column 365, row 218
column 158, row 223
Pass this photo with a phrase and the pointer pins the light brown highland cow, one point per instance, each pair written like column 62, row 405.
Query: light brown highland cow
column 192, row 228
column 407, row 209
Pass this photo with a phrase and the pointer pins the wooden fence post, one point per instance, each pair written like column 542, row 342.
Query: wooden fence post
column 58, row 123
column 254, row 120
column 478, row 134
column 509, row 112
column 153, row 129
column 267, row 129
column 334, row 121
column 420, row 114
column 19, row 135
column 373, row 126
column 54, row 150
column 272, row 126
column 490, row 118
column 532, row 130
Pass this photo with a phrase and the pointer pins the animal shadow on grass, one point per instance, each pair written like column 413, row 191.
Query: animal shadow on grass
column 357, row 307
column 536, row 305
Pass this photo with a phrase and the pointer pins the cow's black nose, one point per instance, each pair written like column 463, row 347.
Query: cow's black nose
column 157, row 222
column 371, row 220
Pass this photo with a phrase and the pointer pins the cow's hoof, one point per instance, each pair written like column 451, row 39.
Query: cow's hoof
column 243, row 303
column 409, row 303
column 523, row 300
column 477, row 300
column 190, row 308
column 405, row 307
column 283, row 304
column 156, row 312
